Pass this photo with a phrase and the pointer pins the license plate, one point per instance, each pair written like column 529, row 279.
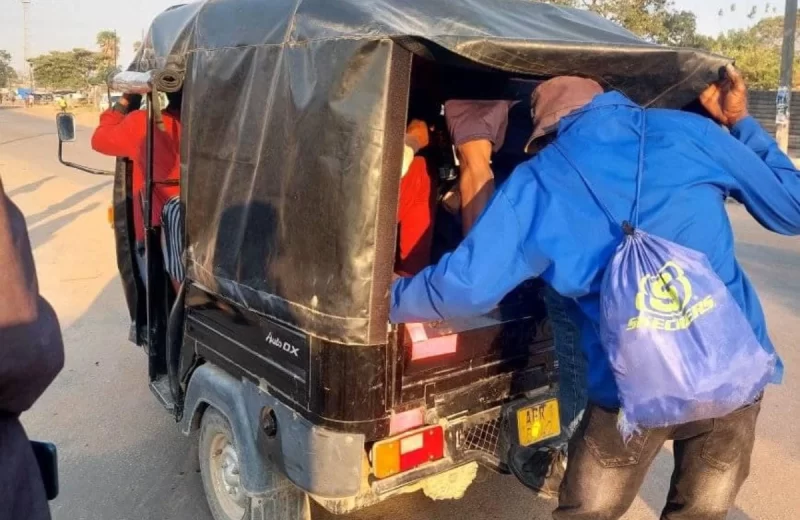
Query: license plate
column 538, row 422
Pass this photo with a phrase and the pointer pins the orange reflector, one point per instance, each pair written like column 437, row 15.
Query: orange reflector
column 407, row 452
column 386, row 459
column 111, row 216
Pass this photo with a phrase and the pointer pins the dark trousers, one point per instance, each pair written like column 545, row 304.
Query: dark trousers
column 604, row 474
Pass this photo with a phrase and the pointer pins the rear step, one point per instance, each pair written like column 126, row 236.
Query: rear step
column 160, row 388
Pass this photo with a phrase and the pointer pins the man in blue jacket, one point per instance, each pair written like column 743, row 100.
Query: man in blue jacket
column 544, row 223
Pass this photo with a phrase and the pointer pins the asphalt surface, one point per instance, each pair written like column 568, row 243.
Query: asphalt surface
column 123, row 458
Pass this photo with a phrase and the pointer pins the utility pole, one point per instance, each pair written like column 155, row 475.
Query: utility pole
column 784, row 101
column 26, row 37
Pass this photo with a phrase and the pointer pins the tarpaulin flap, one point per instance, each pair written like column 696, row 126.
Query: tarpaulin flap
column 282, row 189
column 514, row 35
column 291, row 128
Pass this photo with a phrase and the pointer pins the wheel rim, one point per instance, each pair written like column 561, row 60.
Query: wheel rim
column 225, row 477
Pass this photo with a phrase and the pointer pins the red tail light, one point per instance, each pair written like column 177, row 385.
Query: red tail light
column 408, row 451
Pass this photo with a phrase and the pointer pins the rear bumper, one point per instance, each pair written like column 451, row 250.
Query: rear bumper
column 484, row 438
column 331, row 464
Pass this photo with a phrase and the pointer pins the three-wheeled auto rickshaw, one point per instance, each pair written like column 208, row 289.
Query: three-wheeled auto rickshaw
column 278, row 346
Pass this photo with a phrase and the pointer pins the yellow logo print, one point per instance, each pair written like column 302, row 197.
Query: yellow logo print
column 664, row 301
column 665, row 292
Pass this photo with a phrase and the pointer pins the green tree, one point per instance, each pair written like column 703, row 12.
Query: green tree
column 654, row 20
column 7, row 73
column 73, row 69
column 108, row 42
column 756, row 49
column 757, row 52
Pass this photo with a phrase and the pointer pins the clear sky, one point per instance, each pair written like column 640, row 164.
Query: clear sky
column 65, row 24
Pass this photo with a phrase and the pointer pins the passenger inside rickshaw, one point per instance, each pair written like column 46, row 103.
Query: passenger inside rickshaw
column 478, row 124
column 122, row 132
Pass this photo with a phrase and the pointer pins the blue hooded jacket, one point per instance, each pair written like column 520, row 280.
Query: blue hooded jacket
column 543, row 222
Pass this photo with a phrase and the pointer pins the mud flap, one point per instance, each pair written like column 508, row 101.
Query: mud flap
column 284, row 502
column 321, row 461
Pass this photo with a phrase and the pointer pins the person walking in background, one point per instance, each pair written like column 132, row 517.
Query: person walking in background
column 31, row 355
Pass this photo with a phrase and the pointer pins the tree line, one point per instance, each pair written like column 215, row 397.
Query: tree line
column 78, row 68
column 755, row 49
column 75, row 70
column 7, row 73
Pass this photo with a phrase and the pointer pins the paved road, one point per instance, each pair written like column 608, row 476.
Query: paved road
column 122, row 458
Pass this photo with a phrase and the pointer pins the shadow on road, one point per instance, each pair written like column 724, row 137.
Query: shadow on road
column 121, row 456
column 26, row 137
column 67, row 203
column 42, row 234
column 30, row 187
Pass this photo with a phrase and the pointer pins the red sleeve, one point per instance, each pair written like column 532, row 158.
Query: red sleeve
column 120, row 135
column 414, row 219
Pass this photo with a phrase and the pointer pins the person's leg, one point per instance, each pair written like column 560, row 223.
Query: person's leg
column 542, row 469
column 605, row 473
column 172, row 241
column 572, row 393
column 711, row 467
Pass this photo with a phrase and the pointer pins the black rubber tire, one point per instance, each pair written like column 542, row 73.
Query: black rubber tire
column 212, row 424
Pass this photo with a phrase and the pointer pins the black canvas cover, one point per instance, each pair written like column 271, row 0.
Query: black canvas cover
column 293, row 119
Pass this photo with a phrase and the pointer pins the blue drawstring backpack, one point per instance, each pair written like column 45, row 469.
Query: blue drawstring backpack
column 680, row 347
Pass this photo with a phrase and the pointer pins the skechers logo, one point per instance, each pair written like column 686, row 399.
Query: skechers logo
column 283, row 345
column 664, row 301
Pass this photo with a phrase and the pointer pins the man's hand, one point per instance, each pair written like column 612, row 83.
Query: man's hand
column 726, row 100
column 417, row 132
column 131, row 101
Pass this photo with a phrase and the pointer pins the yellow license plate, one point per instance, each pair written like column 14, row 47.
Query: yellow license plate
column 538, row 422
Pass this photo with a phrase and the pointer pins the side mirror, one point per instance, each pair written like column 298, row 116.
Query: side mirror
column 65, row 123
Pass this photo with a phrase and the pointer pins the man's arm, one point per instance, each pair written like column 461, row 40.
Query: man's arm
column 118, row 132
column 477, row 128
column 764, row 179
column 477, row 180
column 31, row 350
column 491, row 261
column 417, row 138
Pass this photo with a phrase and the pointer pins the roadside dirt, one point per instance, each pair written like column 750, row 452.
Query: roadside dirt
column 84, row 116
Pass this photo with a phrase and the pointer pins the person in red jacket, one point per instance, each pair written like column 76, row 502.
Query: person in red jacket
column 415, row 209
column 123, row 133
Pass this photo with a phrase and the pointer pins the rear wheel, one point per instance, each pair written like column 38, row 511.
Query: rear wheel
column 220, row 466
column 220, row 470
